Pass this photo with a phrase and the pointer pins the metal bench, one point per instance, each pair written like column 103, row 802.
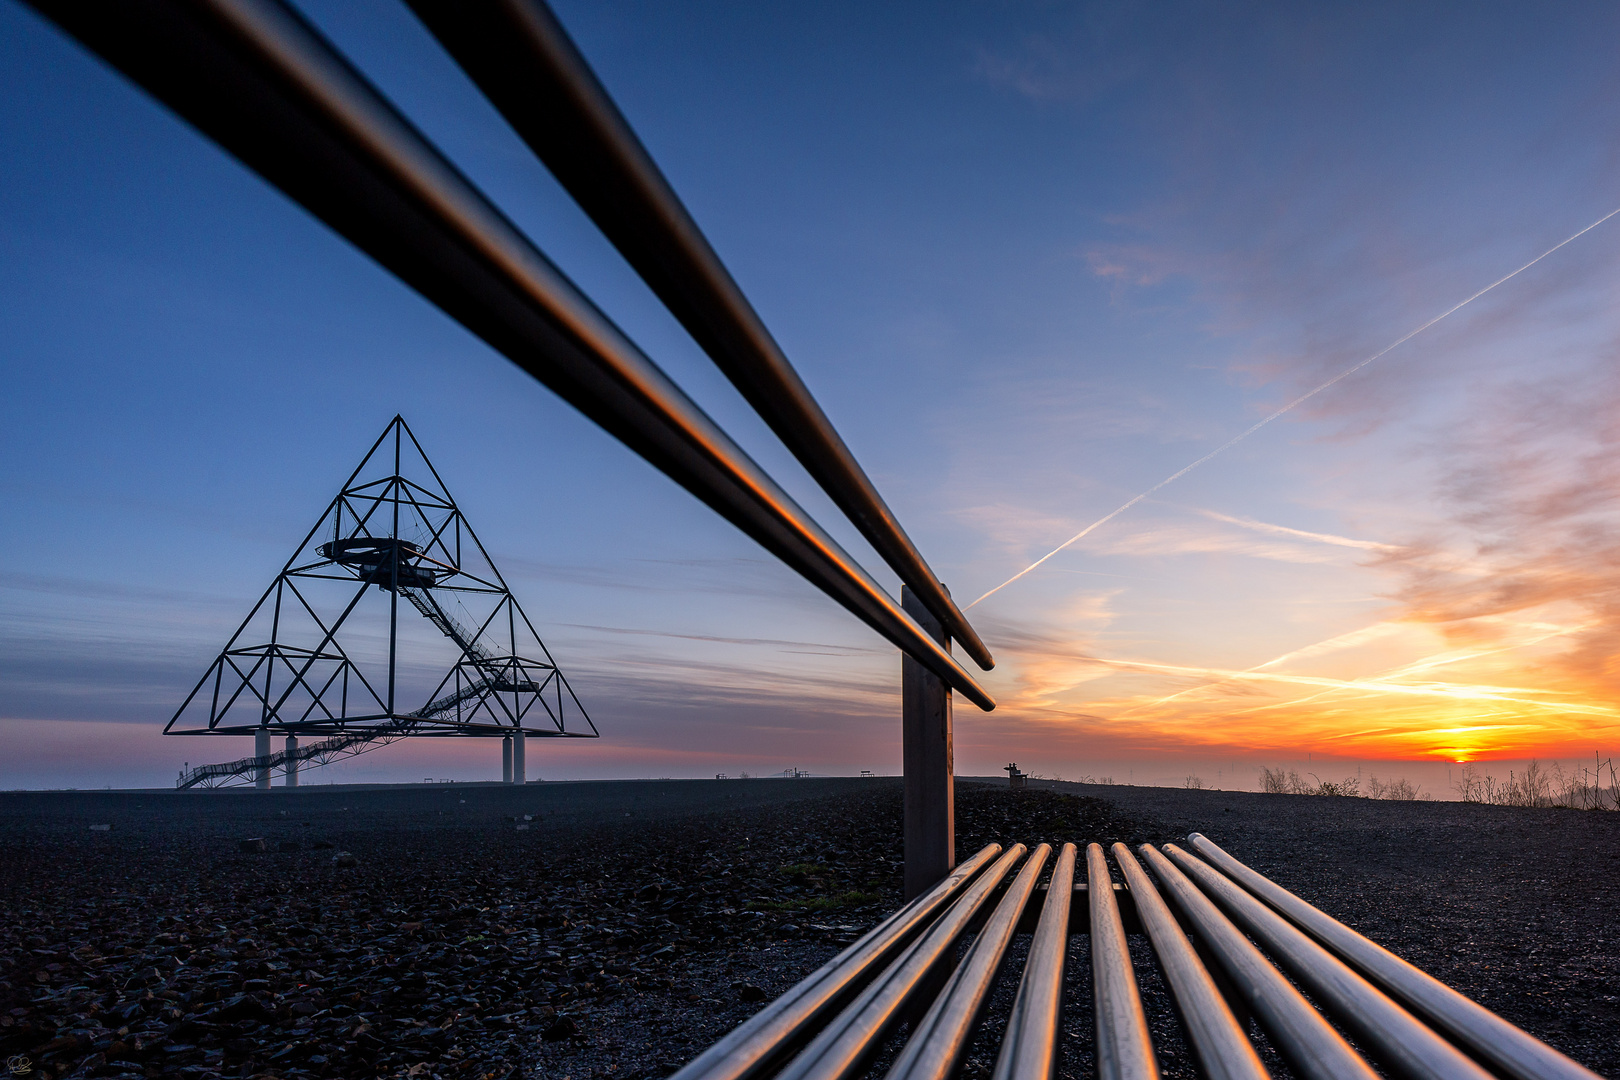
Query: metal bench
column 1207, row 918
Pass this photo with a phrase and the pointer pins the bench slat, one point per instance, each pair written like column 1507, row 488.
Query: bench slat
column 1300, row 1033
column 760, row 1043
column 1218, row 1040
column 1508, row 1048
column 1198, row 914
column 1124, row 1046
column 1029, row 1048
column 1389, row 1033
column 845, row 1043
column 938, row 1040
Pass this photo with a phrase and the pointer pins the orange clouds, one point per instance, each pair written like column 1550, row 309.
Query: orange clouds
column 1399, row 688
column 1499, row 634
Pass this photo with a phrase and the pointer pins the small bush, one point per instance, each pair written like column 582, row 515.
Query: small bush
column 1401, row 790
column 1289, row 782
column 1348, row 788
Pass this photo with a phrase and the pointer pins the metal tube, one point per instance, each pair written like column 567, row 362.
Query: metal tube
column 1387, row 1031
column 1513, row 1051
column 763, row 1041
column 1312, row 1048
column 258, row 79
column 1124, row 1047
column 290, row 770
column 506, row 759
column 520, row 772
column 844, row 1045
column 1029, row 1047
column 523, row 60
column 939, row 1039
column 1224, row 1051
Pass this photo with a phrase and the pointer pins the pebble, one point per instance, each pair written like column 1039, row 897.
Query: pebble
column 563, row 1027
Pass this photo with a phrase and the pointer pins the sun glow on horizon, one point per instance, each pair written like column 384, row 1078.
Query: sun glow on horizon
column 1506, row 697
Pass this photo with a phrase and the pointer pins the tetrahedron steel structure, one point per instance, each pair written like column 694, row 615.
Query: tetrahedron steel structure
column 391, row 575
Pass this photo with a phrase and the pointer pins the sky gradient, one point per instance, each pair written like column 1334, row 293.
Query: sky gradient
column 1032, row 259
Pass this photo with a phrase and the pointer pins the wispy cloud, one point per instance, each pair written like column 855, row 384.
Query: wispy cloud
column 1180, row 540
column 1529, row 489
column 1074, row 58
column 1301, row 534
column 1295, row 403
column 819, row 648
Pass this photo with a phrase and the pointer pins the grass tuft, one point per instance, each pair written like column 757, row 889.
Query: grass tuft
column 805, row 868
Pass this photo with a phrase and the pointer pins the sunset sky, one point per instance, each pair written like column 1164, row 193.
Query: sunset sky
column 1033, row 259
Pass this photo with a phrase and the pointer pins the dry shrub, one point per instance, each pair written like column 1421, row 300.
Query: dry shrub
column 1539, row 785
column 1402, row 790
column 1289, row 782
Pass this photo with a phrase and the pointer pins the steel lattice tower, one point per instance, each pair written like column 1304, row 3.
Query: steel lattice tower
column 308, row 660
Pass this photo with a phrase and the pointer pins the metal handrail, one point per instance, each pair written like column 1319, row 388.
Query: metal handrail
column 1506, row 1047
column 257, row 78
column 523, row 60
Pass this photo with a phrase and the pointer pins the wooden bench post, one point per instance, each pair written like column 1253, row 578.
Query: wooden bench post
column 930, row 803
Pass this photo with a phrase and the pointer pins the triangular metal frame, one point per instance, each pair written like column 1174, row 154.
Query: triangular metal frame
column 408, row 538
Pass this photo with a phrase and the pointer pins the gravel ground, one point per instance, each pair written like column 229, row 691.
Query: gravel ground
column 615, row 929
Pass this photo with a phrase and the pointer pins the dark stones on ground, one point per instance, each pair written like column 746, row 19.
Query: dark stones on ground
column 600, row 945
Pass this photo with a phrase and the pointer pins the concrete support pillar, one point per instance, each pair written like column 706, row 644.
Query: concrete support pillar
column 261, row 750
column 292, row 762
column 519, row 775
column 930, row 786
column 506, row 759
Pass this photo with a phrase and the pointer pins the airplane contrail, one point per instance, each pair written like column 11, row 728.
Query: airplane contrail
column 1346, row 373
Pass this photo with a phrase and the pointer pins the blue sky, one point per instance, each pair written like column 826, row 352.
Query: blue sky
column 1032, row 259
